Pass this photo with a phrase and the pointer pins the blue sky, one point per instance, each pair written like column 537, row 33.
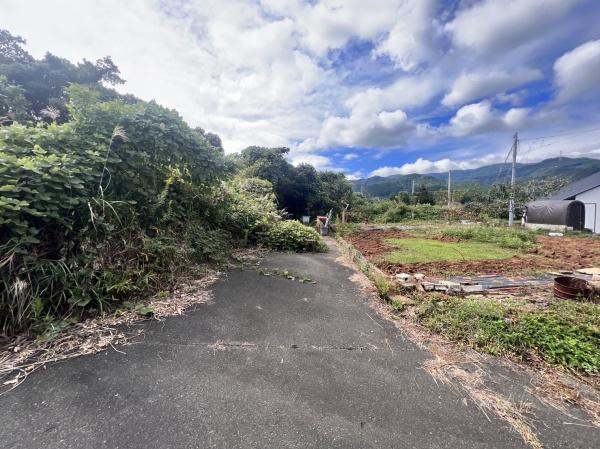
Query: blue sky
column 369, row 88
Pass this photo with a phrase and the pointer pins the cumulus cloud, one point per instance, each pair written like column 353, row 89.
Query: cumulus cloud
column 473, row 86
column 377, row 118
column 223, row 65
column 367, row 128
column 498, row 25
column 578, row 71
column 412, row 39
column 481, row 117
column 276, row 72
column 422, row 166
column 316, row 160
column 331, row 23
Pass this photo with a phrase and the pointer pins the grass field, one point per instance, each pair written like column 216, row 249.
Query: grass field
column 416, row 250
column 513, row 238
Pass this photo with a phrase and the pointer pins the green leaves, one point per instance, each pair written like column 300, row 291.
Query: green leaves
column 290, row 235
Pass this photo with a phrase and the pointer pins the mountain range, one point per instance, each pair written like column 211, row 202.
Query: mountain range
column 572, row 169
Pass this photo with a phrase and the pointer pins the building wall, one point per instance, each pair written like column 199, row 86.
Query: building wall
column 591, row 199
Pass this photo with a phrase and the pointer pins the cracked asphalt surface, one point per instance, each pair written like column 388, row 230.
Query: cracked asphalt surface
column 270, row 363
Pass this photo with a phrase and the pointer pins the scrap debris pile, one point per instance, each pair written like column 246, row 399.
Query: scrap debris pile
column 567, row 285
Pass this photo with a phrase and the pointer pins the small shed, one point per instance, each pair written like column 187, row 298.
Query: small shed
column 564, row 214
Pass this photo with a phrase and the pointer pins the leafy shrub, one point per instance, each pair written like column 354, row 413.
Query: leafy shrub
column 395, row 214
column 427, row 212
column 290, row 235
column 246, row 207
column 343, row 229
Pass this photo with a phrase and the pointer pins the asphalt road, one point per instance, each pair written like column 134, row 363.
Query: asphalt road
column 270, row 363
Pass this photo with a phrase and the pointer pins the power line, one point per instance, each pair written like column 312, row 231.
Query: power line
column 503, row 166
column 563, row 134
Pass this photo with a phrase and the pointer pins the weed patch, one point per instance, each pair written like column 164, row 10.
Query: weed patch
column 423, row 250
column 566, row 333
column 513, row 238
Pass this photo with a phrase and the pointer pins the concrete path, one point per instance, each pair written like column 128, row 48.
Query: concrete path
column 270, row 363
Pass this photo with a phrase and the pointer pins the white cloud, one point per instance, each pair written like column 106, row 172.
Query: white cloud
column 481, row 117
column 497, row 25
column 422, row 166
column 328, row 24
column 316, row 160
column 355, row 175
column 472, row 86
column 366, row 128
column 405, row 93
column 377, row 118
column 262, row 72
column 223, row 65
column 411, row 41
column 578, row 71
column 351, row 156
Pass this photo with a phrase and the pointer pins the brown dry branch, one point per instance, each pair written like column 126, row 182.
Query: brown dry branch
column 24, row 355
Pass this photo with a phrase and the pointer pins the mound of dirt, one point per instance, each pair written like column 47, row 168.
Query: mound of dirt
column 372, row 243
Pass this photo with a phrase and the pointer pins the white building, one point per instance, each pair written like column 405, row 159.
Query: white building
column 586, row 190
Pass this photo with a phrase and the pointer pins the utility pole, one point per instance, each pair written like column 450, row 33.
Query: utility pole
column 511, row 206
column 449, row 187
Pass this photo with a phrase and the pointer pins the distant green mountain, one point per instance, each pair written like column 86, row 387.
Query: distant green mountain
column 569, row 168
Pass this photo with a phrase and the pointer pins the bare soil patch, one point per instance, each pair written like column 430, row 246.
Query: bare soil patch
column 551, row 253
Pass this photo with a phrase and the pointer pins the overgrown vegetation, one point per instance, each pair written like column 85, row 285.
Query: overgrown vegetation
column 105, row 198
column 566, row 333
column 514, row 238
column 392, row 211
column 292, row 235
column 414, row 250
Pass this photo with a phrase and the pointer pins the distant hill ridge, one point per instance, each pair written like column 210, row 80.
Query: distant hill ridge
column 572, row 169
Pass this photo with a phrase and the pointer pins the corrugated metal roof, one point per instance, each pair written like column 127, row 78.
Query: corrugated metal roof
column 583, row 185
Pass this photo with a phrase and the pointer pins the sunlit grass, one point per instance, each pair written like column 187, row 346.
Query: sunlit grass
column 423, row 250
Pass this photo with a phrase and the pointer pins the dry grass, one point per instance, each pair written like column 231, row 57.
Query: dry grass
column 561, row 391
column 24, row 355
column 451, row 372
column 248, row 256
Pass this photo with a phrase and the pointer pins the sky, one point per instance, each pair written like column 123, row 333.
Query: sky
column 376, row 87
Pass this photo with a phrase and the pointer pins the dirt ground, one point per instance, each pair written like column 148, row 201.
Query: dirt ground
column 551, row 253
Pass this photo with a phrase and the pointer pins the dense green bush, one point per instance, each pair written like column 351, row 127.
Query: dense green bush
column 395, row 214
column 245, row 207
column 392, row 211
column 291, row 235
column 112, row 205
column 427, row 212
